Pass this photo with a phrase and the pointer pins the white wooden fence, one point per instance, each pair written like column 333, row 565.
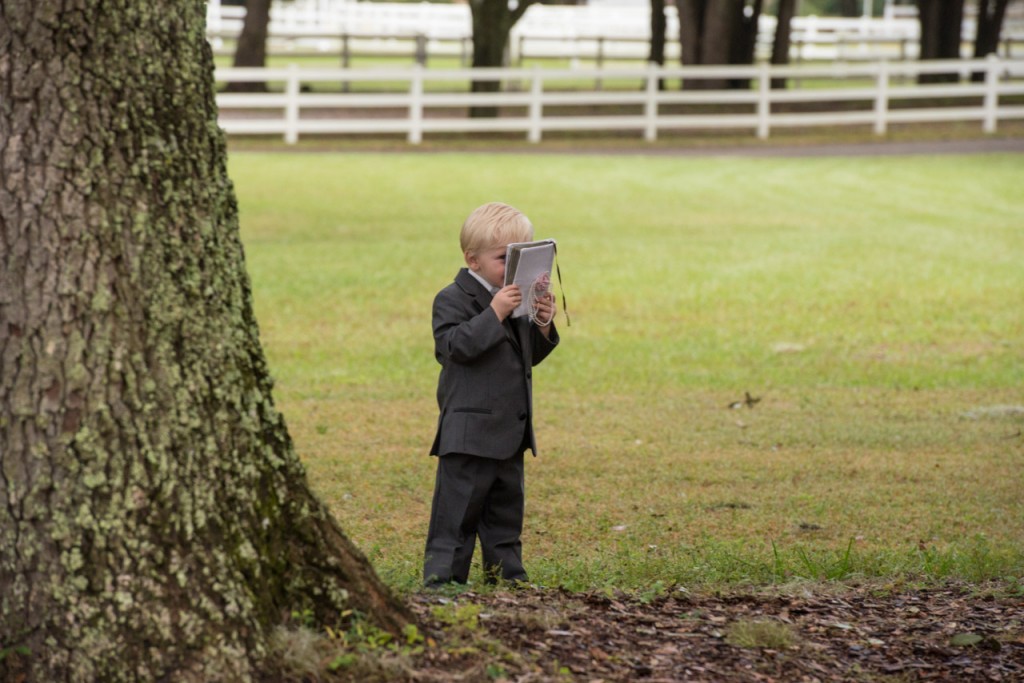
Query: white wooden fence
column 423, row 101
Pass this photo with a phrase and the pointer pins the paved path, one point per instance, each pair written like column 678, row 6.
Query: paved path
column 753, row 149
column 880, row 148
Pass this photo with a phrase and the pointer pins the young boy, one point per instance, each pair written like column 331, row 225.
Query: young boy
column 485, row 397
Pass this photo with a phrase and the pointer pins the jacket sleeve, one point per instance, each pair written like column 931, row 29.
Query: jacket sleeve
column 542, row 345
column 461, row 333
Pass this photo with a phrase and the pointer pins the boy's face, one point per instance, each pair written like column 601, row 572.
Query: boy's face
column 489, row 264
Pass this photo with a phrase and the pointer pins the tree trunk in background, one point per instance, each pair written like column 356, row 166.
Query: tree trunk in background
column 156, row 521
column 252, row 43
column 691, row 23
column 941, row 22
column 850, row 8
column 744, row 43
column 990, row 25
column 492, row 24
column 658, row 28
column 780, row 43
column 717, row 32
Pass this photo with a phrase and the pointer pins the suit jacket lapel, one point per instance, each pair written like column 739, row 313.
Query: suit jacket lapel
column 519, row 328
column 513, row 329
column 472, row 287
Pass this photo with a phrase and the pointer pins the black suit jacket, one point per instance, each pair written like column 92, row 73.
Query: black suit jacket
column 485, row 390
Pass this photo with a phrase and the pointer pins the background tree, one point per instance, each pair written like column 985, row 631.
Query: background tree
column 251, row 49
column 659, row 25
column 492, row 24
column 991, row 14
column 781, row 42
column 718, row 32
column 156, row 521
column 941, row 22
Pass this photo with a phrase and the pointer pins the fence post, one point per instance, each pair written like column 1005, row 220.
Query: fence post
column 991, row 93
column 416, row 106
column 764, row 105
column 882, row 98
column 291, row 107
column 536, row 105
column 651, row 103
column 600, row 61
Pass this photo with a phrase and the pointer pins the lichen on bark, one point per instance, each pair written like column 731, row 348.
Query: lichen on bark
column 154, row 518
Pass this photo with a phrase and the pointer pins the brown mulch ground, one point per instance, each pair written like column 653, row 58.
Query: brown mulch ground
column 950, row 633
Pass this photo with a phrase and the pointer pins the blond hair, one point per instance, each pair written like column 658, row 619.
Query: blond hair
column 493, row 225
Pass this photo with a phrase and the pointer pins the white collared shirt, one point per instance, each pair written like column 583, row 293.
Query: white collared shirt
column 485, row 283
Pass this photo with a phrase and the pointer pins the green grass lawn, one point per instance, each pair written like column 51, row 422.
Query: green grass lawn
column 874, row 305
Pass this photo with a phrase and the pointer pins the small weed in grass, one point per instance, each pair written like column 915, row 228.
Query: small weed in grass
column 762, row 633
column 464, row 618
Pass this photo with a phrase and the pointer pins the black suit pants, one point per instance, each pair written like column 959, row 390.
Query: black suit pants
column 476, row 497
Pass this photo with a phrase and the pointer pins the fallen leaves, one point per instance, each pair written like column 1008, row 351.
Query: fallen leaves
column 935, row 634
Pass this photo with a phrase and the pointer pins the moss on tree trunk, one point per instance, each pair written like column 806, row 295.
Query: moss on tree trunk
column 154, row 518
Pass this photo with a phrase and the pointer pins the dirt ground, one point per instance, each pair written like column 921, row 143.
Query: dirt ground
column 878, row 633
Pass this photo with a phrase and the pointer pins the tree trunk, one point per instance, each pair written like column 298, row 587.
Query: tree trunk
column 990, row 25
column 691, row 25
column 251, row 49
column 744, row 43
column 850, row 8
column 718, row 37
column 156, row 521
column 941, row 22
column 717, row 32
column 780, row 43
column 492, row 24
column 658, row 29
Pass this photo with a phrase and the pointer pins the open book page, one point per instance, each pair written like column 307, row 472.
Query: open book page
column 528, row 264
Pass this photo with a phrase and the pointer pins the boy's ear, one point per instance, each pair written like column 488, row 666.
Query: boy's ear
column 471, row 260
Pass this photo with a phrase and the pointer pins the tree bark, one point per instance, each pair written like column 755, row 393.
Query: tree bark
column 156, row 522
column 251, row 49
column 850, row 8
column 941, row 22
column 744, row 43
column 717, row 32
column 659, row 26
column 990, row 25
column 780, row 43
column 691, row 23
column 492, row 24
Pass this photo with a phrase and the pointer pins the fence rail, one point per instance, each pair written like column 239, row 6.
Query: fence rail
column 421, row 101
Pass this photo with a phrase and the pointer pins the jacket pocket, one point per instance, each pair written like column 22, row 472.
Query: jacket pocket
column 477, row 411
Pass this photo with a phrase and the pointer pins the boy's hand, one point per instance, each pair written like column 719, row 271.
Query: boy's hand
column 506, row 300
column 545, row 309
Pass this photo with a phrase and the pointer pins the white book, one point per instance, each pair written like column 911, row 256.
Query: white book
column 528, row 264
